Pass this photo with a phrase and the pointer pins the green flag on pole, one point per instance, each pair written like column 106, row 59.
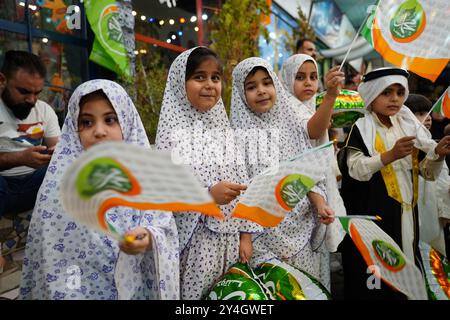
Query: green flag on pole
column 442, row 106
column 108, row 50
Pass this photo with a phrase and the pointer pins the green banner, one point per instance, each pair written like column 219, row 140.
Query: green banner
column 108, row 50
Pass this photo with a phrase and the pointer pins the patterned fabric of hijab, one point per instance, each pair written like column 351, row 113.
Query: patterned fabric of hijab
column 295, row 231
column 369, row 91
column 288, row 74
column 59, row 251
column 284, row 116
column 198, row 138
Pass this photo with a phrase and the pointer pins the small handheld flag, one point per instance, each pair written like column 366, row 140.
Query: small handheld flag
column 410, row 34
column 118, row 174
column 384, row 257
column 276, row 192
column 442, row 106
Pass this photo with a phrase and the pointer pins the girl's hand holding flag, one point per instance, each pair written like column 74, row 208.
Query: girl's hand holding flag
column 136, row 241
column 333, row 81
column 224, row 192
column 326, row 214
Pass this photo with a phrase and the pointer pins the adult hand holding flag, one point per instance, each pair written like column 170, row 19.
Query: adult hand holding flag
column 118, row 174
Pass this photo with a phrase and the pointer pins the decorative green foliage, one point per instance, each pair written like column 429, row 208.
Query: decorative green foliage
column 303, row 31
column 147, row 89
column 235, row 34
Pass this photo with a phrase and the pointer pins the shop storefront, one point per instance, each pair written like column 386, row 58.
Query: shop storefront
column 41, row 27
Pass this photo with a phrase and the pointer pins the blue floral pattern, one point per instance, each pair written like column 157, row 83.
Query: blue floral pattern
column 66, row 260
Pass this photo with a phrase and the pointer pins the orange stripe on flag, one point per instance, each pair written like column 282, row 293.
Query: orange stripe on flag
column 209, row 209
column 257, row 215
column 446, row 104
column 362, row 248
column 426, row 68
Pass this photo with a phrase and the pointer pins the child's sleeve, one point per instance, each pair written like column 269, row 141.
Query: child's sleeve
column 430, row 167
column 164, row 252
column 443, row 193
column 361, row 167
column 154, row 273
column 250, row 227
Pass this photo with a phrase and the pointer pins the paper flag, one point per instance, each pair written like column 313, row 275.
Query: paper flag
column 385, row 257
column 411, row 34
column 442, row 106
column 114, row 174
column 275, row 192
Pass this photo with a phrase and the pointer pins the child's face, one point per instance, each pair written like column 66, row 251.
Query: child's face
column 421, row 116
column 204, row 87
column 389, row 102
column 260, row 92
column 306, row 81
column 98, row 122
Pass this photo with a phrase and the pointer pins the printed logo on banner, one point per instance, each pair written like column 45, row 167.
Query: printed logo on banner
column 391, row 259
column 291, row 189
column 105, row 174
column 408, row 22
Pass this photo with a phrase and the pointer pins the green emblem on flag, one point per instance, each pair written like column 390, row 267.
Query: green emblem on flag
column 291, row 189
column 408, row 21
column 102, row 174
column 109, row 49
column 391, row 258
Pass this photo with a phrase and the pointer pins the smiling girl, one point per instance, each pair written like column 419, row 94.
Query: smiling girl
column 193, row 120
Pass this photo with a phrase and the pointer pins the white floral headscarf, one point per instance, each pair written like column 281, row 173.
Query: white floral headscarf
column 289, row 72
column 284, row 115
column 198, row 138
column 58, row 247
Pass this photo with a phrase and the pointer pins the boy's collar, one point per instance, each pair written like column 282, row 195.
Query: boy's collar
column 394, row 120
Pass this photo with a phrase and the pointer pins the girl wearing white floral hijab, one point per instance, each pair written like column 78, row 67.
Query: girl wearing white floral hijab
column 194, row 125
column 299, row 76
column 298, row 237
column 66, row 260
column 288, row 75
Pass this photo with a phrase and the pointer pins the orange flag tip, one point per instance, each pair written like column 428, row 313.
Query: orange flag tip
column 378, row 218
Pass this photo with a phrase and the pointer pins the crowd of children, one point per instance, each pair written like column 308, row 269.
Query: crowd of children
column 182, row 255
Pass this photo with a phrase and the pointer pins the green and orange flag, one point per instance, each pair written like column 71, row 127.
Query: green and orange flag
column 442, row 106
column 384, row 257
column 411, row 34
column 274, row 193
column 115, row 174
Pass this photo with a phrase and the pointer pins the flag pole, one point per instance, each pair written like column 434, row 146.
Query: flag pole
column 354, row 39
column 434, row 105
column 421, row 124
